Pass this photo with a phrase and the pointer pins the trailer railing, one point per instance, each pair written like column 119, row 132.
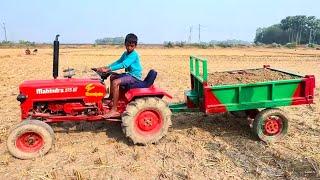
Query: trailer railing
column 198, row 67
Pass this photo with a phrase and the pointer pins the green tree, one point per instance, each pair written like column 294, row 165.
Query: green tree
column 272, row 34
column 299, row 29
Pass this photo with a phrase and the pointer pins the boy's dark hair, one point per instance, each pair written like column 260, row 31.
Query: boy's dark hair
column 131, row 38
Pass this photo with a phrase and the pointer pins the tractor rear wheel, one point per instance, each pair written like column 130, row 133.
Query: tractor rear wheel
column 270, row 125
column 146, row 120
column 30, row 139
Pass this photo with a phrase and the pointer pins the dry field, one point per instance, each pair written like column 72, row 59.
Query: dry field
column 197, row 147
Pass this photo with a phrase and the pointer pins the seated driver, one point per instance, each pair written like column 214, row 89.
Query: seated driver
column 130, row 61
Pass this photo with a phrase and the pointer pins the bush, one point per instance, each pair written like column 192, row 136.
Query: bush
column 168, row 44
column 275, row 45
column 6, row 43
column 258, row 44
column 224, row 45
column 311, row 45
column 291, row 45
column 212, row 45
column 180, row 44
column 203, row 46
column 27, row 43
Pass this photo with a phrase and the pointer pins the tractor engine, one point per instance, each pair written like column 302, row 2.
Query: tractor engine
column 65, row 108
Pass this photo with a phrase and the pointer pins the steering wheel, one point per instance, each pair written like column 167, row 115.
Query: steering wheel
column 103, row 75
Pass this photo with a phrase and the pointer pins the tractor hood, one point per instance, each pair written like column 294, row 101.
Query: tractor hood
column 89, row 90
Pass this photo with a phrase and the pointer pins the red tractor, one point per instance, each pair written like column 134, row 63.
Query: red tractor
column 145, row 117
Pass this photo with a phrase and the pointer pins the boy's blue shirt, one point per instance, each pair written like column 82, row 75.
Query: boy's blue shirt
column 131, row 63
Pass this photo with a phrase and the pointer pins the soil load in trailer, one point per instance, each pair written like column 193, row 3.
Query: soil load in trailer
column 248, row 76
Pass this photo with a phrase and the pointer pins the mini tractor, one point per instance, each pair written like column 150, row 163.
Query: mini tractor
column 145, row 117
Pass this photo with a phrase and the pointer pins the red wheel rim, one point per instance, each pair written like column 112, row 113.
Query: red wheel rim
column 29, row 142
column 148, row 122
column 273, row 125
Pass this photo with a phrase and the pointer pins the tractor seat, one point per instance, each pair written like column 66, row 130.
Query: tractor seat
column 147, row 82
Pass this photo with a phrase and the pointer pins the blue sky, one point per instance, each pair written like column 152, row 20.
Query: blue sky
column 83, row 21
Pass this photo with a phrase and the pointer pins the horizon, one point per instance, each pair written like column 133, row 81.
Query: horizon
column 153, row 22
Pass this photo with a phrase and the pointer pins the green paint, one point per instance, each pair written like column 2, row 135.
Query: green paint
column 203, row 75
column 193, row 96
column 199, row 72
column 260, row 95
column 191, row 64
column 182, row 107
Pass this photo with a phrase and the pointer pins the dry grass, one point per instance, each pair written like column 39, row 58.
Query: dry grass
column 197, row 147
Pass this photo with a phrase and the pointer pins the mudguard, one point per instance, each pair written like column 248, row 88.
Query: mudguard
column 143, row 92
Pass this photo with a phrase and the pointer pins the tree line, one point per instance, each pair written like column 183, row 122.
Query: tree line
column 110, row 40
column 299, row 29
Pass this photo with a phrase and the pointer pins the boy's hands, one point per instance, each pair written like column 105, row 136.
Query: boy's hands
column 103, row 69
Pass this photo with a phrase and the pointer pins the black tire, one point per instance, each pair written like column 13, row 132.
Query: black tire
column 270, row 125
column 30, row 139
column 146, row 120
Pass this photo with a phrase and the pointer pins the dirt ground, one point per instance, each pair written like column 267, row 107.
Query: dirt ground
column 247, row 76
column 197, row 147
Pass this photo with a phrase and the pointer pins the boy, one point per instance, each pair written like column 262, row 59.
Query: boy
column 129, row 61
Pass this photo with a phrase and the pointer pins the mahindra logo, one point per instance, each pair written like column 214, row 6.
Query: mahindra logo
column 56, row 90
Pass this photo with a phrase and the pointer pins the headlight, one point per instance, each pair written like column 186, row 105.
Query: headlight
column 21, row 98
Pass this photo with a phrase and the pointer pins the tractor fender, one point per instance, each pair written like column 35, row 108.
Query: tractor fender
column 143, row 92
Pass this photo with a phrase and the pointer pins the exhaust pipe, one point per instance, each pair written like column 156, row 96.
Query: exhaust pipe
column 55, row 70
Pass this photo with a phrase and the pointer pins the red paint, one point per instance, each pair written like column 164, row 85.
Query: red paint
column 151, row 91
column 297, row 97
column 310, row 86
column 55, row 107
column 29, row 142
column 190, row 104
column 304, row 94
column 148, row 122
column 72, row 108
column 272, row 126
column 212, row 103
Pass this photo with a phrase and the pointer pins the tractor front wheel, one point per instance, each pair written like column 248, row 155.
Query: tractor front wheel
column 270, row 125
column 146, row 120
column 30, row 139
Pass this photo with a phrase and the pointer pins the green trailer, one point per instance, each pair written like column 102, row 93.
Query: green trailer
column 258, row 101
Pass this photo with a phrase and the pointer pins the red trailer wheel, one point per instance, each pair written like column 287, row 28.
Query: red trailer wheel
column 146, row 120
column 273, row 125
column 30, row 139
column 270, row 125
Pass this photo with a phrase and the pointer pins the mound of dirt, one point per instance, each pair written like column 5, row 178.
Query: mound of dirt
column 246, row 76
